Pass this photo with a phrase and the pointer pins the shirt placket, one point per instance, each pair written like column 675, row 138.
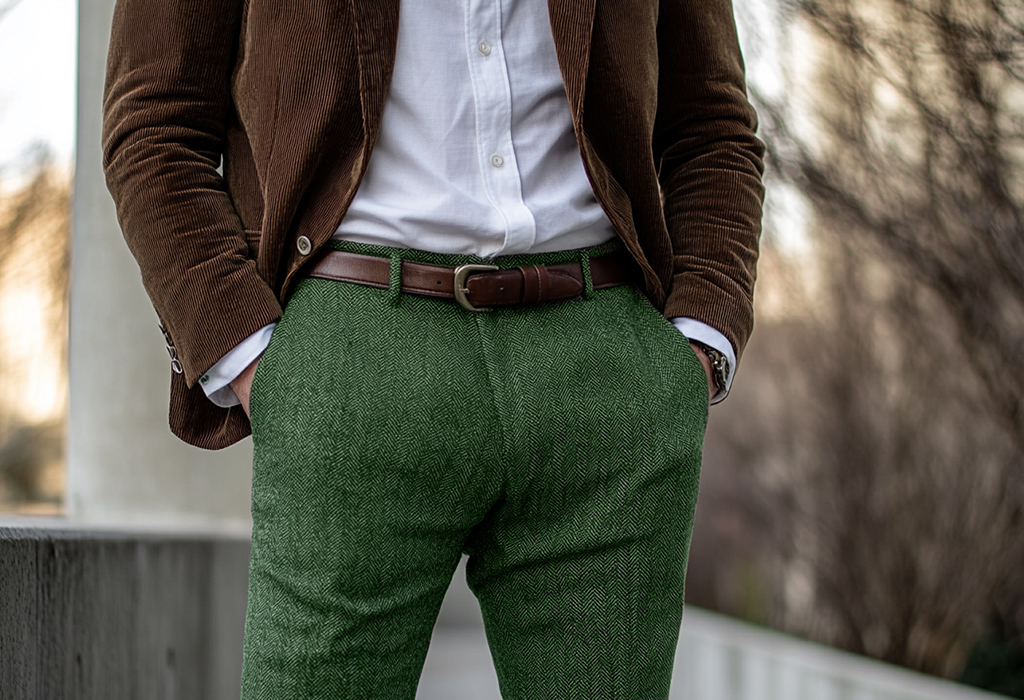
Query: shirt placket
column 492, row 97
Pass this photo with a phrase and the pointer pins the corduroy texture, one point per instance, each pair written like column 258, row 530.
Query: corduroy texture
column 558, row 445
column 292, row 95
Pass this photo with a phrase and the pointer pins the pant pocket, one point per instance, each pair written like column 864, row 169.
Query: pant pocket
column 684, row 366
column 256, row 399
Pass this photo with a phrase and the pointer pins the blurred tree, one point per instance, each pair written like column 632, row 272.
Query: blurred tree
column 877, row 436
column 918, row 152
column 34, row 276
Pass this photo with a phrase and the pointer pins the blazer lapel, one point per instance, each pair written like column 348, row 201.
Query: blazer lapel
column 572, row 24
column 377, row 37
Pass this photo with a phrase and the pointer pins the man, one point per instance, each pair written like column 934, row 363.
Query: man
column 478, row 218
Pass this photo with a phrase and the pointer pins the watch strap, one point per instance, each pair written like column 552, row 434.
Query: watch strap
column 719, row 364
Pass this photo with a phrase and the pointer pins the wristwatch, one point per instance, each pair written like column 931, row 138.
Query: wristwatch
column 719, row 364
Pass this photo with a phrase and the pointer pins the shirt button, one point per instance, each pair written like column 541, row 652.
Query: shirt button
column 497, row 161
column 484, row 48
column 304, row 245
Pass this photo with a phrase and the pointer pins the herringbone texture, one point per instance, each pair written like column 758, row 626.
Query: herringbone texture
column 558, row 445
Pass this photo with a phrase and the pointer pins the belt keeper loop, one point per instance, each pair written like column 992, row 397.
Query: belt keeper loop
column 588, row 281
column 395, row 279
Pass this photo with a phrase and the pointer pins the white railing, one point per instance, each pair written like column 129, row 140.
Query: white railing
column 719, row 658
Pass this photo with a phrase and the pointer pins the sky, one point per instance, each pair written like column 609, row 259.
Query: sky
column 38, row 44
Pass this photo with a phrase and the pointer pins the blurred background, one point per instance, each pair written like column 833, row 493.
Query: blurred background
column 37, row 127
column 863, row 483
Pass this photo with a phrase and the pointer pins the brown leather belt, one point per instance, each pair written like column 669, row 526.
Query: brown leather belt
column 479, row 287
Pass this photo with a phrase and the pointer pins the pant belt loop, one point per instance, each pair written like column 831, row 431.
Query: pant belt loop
column 588, row 281
column 395, row 279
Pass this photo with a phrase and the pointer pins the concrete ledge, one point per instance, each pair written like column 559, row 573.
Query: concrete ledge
column 101, row 612
column 157, row 611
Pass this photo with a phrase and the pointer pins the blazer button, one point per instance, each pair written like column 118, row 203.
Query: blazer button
column 304, row 245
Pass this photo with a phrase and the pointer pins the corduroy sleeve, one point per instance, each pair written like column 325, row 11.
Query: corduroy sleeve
column 166, row 106
column 710, row 166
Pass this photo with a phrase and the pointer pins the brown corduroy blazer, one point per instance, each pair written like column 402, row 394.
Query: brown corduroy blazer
column 288, row 97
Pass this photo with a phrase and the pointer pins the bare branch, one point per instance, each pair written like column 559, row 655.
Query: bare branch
column 902, row 484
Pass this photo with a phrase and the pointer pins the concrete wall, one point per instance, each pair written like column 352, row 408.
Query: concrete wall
column 90, row 613
column 107, row 615
column 123, row 462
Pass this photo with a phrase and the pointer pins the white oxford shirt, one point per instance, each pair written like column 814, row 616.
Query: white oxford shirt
column 476, row 153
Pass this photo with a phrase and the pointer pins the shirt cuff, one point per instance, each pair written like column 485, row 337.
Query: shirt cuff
column 702, row 332
column 217, row 379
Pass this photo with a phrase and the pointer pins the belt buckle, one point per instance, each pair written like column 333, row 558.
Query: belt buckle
column 461, row 273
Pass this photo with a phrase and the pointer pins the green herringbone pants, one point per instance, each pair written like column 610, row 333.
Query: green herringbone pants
column 558, row 445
